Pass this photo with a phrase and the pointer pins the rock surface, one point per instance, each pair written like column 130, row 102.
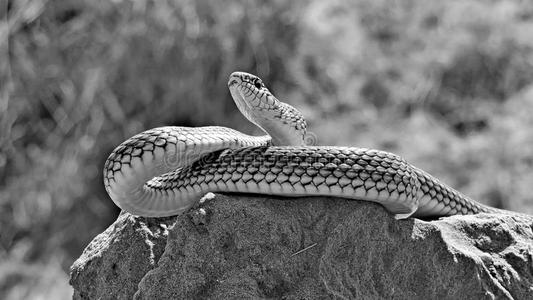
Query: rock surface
column 307, row 248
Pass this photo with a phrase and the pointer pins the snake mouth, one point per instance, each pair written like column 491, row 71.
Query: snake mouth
column 234, row 78
column 232, row 82
column 238, row 96
column 236, row 85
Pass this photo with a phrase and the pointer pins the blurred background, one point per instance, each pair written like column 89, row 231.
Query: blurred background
column 446, row 84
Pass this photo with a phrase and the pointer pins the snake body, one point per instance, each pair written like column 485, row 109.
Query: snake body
column 165, row 170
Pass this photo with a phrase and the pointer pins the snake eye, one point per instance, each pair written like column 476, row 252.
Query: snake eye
column 258, row 83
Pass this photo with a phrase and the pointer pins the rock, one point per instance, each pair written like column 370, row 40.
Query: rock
column 306, row 248
column 116, row 260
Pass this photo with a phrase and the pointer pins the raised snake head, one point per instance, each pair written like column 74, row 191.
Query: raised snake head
column 284, row 123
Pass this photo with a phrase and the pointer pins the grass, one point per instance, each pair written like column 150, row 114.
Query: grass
column 446, row 85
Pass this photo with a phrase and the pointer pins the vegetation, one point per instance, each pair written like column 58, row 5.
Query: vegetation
column 448, row 85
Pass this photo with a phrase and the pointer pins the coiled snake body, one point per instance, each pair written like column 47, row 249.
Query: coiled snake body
column 164, row 171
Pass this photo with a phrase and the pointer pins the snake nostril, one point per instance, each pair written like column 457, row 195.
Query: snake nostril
column 232, row 82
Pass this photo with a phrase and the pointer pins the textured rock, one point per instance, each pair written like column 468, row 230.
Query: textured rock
column 306, row 248
column 117, row 259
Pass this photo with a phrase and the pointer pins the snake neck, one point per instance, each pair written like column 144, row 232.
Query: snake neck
column 280, row 137
column 282, row 122
column 289, row 129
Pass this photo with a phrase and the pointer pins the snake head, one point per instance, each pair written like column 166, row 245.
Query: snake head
column 251, row 95
column 284, row 123
column 243, row 77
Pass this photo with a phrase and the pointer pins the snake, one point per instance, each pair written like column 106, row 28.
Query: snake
column 166, row 170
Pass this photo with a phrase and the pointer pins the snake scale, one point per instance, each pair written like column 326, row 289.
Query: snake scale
column 164, row 171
